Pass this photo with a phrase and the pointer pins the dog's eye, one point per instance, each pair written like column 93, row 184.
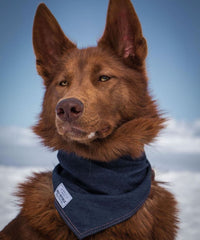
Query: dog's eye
column 63, row 83
column 104, row 78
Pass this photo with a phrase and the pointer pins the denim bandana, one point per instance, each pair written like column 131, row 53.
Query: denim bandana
column 92, row 196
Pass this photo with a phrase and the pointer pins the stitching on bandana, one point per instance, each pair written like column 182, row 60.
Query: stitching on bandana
column 104, row 225
column 65, row 216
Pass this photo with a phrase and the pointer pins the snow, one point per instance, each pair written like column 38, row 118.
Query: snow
column 10, row 177
column 186, row 187
column 184, row 184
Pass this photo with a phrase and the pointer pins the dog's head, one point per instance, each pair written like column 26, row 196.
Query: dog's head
column 96, row 101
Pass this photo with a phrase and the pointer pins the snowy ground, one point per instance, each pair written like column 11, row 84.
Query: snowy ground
column 185, row 185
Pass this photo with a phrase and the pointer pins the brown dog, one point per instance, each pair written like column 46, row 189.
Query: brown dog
column 97, row 105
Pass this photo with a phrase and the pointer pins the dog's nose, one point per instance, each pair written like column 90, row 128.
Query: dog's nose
column 69, row 109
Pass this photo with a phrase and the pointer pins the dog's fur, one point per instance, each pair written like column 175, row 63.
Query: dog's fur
column 119, row 118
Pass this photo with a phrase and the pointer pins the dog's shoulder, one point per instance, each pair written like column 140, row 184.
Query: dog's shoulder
column 37, row 187
column 162, row 207
column 36, row 195
column 37, row 206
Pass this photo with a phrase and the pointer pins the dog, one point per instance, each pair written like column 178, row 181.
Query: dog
column 98, row 113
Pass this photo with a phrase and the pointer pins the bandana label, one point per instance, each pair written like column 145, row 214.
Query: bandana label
column 62, row 195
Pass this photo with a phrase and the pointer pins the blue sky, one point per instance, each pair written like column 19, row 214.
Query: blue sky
column 170, row 27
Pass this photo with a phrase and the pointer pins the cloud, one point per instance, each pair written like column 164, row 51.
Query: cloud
column 21, row 147
column 180, row 141
column 17, row 136
column 180, row 137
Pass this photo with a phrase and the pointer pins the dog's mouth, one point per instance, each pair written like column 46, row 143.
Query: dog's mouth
column 77, row 133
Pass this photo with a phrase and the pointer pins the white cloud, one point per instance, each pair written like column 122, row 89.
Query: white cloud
column 17, row 136
column 19, row 146
column 180, row 137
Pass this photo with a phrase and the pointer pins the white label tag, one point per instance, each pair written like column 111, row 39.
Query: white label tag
column 62, row 195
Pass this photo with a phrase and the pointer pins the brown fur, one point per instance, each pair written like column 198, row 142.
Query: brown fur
column 120, row 112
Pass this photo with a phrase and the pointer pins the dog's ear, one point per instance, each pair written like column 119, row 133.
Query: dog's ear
column 123, row 33
column 49, row 42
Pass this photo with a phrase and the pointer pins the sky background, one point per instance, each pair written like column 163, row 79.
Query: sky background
column 172, row 30
column 170, row 27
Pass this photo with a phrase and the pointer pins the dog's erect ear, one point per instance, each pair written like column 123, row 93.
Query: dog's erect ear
column 49, row 42
column 123, row 32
